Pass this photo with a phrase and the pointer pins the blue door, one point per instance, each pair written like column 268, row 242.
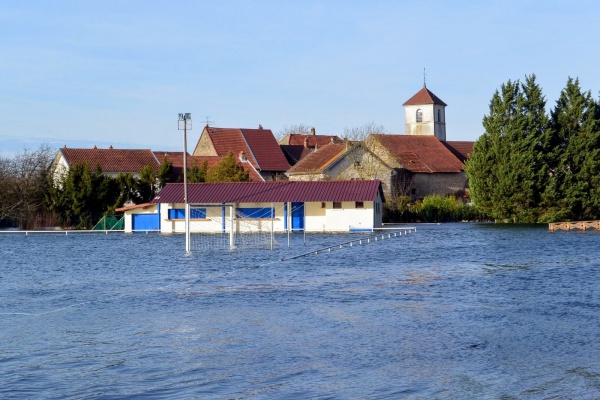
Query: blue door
column 297, row 217
column 145, row 222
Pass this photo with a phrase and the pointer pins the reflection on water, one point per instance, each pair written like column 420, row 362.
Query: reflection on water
column 452, row 311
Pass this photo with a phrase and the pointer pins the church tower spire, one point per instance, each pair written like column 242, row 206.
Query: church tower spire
column 425, row 114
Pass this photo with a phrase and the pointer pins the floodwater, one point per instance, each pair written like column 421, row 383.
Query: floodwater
column 453, row 311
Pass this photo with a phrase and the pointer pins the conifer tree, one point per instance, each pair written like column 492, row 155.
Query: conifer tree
column 573, row 192
column 196, row 173
column 507, row 168
column 227, row 170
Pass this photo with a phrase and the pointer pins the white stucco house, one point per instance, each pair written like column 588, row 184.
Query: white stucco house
column 281, row 206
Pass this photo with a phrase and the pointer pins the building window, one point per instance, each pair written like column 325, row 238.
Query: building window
column 419, row 115
column 413, row 191
column 323, row 204
column 337, row 205
column 359, row 204
column 177, row 213
column 267, row 212
column 195, row 213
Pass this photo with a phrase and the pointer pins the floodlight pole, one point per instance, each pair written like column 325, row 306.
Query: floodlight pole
column 183, row 120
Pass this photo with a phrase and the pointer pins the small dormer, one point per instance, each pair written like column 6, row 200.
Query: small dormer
column 425, row 114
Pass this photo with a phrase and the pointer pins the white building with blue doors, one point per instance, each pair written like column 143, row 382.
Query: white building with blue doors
column 314, row 206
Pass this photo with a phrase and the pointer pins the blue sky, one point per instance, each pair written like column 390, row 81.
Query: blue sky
column 80, row 73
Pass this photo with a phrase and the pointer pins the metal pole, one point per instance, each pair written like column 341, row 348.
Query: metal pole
column 304, row 223
column 231, row 228
column 185, row 117
column 185, row 189
column 272, row 219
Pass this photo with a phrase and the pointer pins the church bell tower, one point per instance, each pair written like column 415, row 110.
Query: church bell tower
column 425, row 114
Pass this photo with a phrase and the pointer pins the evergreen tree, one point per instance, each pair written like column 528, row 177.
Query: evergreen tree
column 165, row 173
column 83, row 197
column 146, row 185
column 573, row 192
column 126, row 188
column 197, row 174
column 227, row 170
column 507, row 168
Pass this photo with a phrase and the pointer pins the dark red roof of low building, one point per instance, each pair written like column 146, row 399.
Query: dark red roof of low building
column 111, row 160
column 267, row 192
column 420, row 154
column 424, row 96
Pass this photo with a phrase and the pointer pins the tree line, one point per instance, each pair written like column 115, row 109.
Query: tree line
column 531, row 166
column 30, row 197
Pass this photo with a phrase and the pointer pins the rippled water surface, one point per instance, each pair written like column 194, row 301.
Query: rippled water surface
column 454, row 311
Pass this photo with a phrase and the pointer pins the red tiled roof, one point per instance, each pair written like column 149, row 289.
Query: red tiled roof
column 421, row 154
column 462, row 150
column 111, row 160
column 294, row 153
column 265, row 149
column 227, row 140
column 312, row 140
column 318, row 160
column 267, row 192
column 259, row 145
column 424, row 96
column 174, row 157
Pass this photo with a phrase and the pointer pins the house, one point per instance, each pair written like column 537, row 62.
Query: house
column 111, row 161
column 278, row 206
column 297, row 146
column 256, row 146
column 320, row 164
column 416, row 166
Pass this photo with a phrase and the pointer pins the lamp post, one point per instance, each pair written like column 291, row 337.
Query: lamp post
column 185, row 123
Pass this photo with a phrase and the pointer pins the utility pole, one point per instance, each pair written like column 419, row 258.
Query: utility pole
column 185, row 121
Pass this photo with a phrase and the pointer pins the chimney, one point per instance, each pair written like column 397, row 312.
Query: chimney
column 110, row 147
column 306, row 142
column 260, row 126
column 313, row 131
column 95, row 148
column 243, row 156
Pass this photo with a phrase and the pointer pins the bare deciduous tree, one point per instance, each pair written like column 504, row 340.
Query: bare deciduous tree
column 294, row 129
column 23, row 181
column 360, row 133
